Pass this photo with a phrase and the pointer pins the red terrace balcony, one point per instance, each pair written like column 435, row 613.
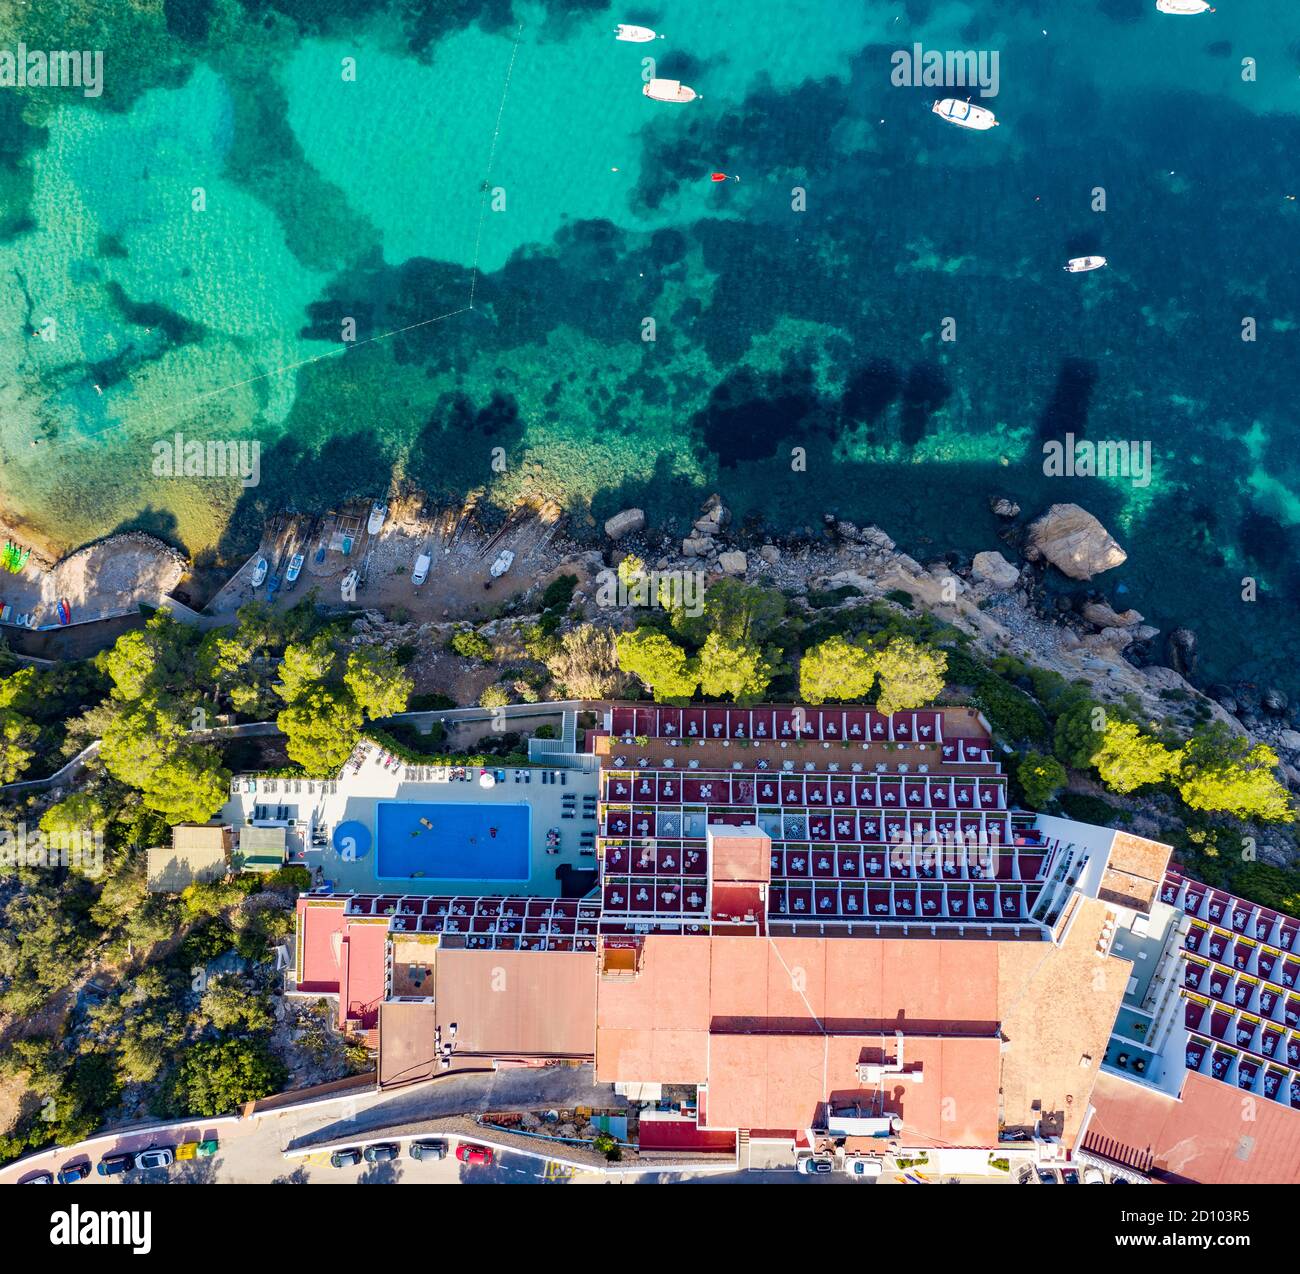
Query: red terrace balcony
column 835, row 725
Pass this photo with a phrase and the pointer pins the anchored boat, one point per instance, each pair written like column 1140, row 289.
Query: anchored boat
column 630, row 34
column 669, row 91
column 1184, row 7
column 965, row 114
column 1080, row 265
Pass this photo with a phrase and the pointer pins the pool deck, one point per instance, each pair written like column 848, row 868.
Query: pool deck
column 312, row 809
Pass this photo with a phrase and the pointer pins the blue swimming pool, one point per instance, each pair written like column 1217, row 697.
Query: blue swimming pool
column 451, row 842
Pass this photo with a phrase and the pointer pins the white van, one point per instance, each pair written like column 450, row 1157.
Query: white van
column 421, row 572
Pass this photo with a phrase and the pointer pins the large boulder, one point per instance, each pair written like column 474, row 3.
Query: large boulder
column 1074, row 542
column 625, row 523
column 733, row 563
column 1102, row 615
column 992, row 568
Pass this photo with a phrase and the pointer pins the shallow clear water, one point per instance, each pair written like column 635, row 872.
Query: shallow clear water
column 499, row 210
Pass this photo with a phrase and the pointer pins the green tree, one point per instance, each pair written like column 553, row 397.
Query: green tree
column 322, row 727
column 835, row 671
column 215, row 1078
column 740, row 670
column 378, row 683
column 746, row 615
column 18, row 744
column 228, row 1006
column 157, row 657
column 305, row 666
column 659, row 662
column 1128, row 758
column 1041, row 777
column 1223, row 771
column 494, row 697
column 471, row 645
column 1078, row 734
column 911, row 675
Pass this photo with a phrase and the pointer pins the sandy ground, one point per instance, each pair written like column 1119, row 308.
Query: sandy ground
column 459, row 582
column 108, row 578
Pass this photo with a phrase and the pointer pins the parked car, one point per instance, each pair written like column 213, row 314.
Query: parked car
column 155, row 1157
column 39, row 1179
column 113, row 1165
column 1047, row 1177
column 383, row 1152
column 421, row 572
column 476, row 1156
column 71, row 1173
column 1094, row 1177
column 428, row 1150
column 1026, row 1176
column 863, row 1167
column 1070, row 1176
column 348, row 1158
column 816, row 1165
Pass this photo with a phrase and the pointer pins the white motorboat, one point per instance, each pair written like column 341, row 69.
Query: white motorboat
column 669, row 91
column 1184, row 7
column 295, row 567
column 1081, row 265
column 378, row 516
column 965, row 114
column 505, row 560
column 348, row 586
column 259, row 571
column 630, row 34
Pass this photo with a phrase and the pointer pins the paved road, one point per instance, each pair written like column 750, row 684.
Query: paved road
column 253, row 1149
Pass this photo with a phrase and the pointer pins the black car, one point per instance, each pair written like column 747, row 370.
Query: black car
column 384, row 1152
column 112, row 1165
column 346, row 1158
column 71, row 1173
column 428, row 1150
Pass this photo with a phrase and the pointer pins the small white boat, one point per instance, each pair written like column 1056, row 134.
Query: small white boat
column 295, row 566
column 1081, row 265
column 348, row 586
column 378, row 516
column 965, row 114
column 1184, row 7
column 505, row 560
column 669, row 91
column 630, row 34
column 421, row 572
column 259, row 571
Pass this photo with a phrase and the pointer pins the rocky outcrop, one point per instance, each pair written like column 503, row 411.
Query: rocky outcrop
column 1182, row 651
column 628, row 522
column 993, row 569
column 733, row 563
column 1004, row 508
column 1102, row 615
column 697, row 546
column 714, row 516
column 1074, row 542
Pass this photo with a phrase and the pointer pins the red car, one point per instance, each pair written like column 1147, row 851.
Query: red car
column 475, row 1156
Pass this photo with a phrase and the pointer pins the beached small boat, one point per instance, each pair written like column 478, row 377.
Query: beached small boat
column 348, row 586
column 378, row 516
column 965, row 114
column 259, row 572
column 669, row 91
column 1081, row 265
column 1184, row 7
column 630, row 34
column 295, row 567
column 505, row 560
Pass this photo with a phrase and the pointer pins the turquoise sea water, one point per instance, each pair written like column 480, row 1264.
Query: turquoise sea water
column 498, row 210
